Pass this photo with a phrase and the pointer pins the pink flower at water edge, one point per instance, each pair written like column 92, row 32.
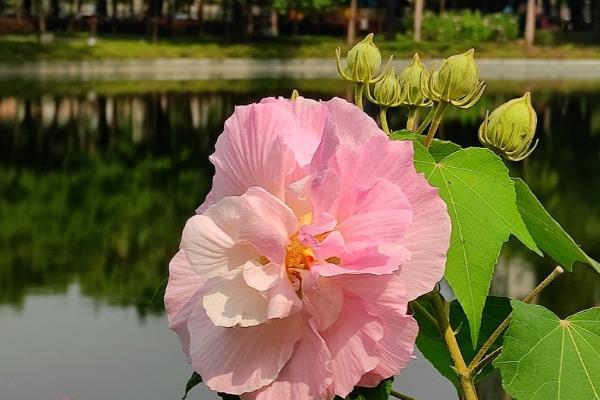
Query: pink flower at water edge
column 292, row 282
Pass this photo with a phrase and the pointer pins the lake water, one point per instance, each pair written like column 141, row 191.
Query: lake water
column 97, row 180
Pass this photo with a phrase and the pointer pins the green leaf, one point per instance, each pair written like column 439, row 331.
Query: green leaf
column 433, row 347
column 439, row 149
column 379, row 392
column 194, row 380
column 546, row 358
column 548, row 233
column 481, row 201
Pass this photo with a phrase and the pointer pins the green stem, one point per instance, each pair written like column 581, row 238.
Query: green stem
column 425, row 122
column 435, row 122
column 358, row 94
column 475, row 363
column 383, row 120
column 486, row 360
column 400, row 395
column 412, row 116
column 443, row 317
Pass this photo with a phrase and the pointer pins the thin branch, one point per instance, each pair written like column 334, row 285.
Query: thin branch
column 496, row 334
column 443, row 317
column 425, row 122
column 401, row 396
column 358, row 94
column 486, row 360
column 435, row 122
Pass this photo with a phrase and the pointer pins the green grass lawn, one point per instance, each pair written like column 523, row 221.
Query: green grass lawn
column 25, row 48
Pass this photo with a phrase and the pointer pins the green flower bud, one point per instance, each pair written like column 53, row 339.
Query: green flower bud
column 456, row 81
column 387, row 90
column 411, row 80
column 362, row 62
column 510, row 128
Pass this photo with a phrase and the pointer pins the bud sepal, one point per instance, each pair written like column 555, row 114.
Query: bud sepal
column 510, row 129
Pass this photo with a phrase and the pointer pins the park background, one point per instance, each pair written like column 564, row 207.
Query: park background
column 109, row 110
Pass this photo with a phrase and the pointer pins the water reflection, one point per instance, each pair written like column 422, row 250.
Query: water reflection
column 96, row 182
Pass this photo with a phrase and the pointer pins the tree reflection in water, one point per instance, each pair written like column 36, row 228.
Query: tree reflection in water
column 98, row 180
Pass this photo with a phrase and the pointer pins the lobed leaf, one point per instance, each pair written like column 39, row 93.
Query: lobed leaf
column 439, row 149
column 546, row 358
column 547, row 233
column 481, row 200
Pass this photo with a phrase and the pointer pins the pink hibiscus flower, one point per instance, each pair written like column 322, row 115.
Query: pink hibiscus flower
column 292, row 282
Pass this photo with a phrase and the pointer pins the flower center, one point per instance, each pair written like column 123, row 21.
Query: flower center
column 298, row 255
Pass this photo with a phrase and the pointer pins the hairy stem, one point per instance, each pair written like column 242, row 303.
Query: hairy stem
column 435, row 122
column 401, row 396
column 358, row 94
column 443, row 318
column 425, row 122
column 383, row 120
column 486, row 360
column 479, row 357
column 412, row 116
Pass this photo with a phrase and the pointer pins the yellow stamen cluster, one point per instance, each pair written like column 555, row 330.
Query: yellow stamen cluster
column 298, row 256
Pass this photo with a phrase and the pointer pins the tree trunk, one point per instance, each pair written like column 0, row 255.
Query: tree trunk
column 274, row 23
column 72, row 11
column 419, row 6
column 390, row 19
column 54, row 9
column 295, row 26
column 200, row 16
column 351, row 31
column 101, row 8
column 442, row 6
column 247, row 10
column 596, row 15
column 41, row 19
column 530, row 22
column 26, row 7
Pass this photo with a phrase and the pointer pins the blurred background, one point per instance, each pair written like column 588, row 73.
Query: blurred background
column 101, row 163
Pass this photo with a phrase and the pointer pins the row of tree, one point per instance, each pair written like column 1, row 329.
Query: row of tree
column 259, row 17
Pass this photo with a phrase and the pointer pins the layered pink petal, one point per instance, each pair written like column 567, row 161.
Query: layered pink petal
column 180, row 296
column 323, row 297
column 307, row 376
column 241, row 360
column 252, row 152
column 209, row 250
column 385, row 296
column 283, row 299
column 427, row 239
column 257, row 218
column 262, row 277
column 309, row 117
column 352, row 125
column 352, row 341
column 229, row 301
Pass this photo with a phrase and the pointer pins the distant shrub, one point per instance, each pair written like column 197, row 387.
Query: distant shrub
column 14, row 25
column 544, row 38
column 469, row 26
